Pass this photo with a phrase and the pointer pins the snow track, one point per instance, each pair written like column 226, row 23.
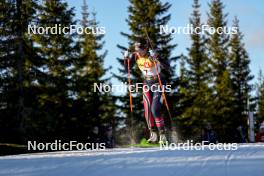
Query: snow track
column 247, row 160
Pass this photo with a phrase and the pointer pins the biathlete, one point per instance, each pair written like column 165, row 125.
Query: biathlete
column 152, row 99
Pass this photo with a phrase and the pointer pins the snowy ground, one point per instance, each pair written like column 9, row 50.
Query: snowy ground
column 248, row 160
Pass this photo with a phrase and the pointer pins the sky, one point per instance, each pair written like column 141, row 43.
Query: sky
column 112, row 14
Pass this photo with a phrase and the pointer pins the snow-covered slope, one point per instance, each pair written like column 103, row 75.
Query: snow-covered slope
column 248, row 160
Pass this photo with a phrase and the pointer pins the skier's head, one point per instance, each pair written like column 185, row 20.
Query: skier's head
column 141, row 46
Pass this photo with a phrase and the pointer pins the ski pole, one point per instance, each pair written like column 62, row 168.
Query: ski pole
column 130, row 102
column 129, row 82
column 160, row 83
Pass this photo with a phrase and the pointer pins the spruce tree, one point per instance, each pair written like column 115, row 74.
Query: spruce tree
column 59, row 52
column 198, row 75
column 18, row 63
column 184, row 122
column 240, row 74
column 223, row 95
column 144, row 15
column 91, row 108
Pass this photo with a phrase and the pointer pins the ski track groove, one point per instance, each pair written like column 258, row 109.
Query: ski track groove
column 248, row 159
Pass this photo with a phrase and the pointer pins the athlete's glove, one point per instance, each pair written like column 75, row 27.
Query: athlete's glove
column 126, row 59
column 153, row 55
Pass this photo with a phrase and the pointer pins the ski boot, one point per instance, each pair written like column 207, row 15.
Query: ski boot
column 153, row 137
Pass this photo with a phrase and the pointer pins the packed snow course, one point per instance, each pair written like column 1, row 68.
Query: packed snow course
column 247, row 160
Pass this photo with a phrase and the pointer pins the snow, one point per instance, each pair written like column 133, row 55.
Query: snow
column 247, row 160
